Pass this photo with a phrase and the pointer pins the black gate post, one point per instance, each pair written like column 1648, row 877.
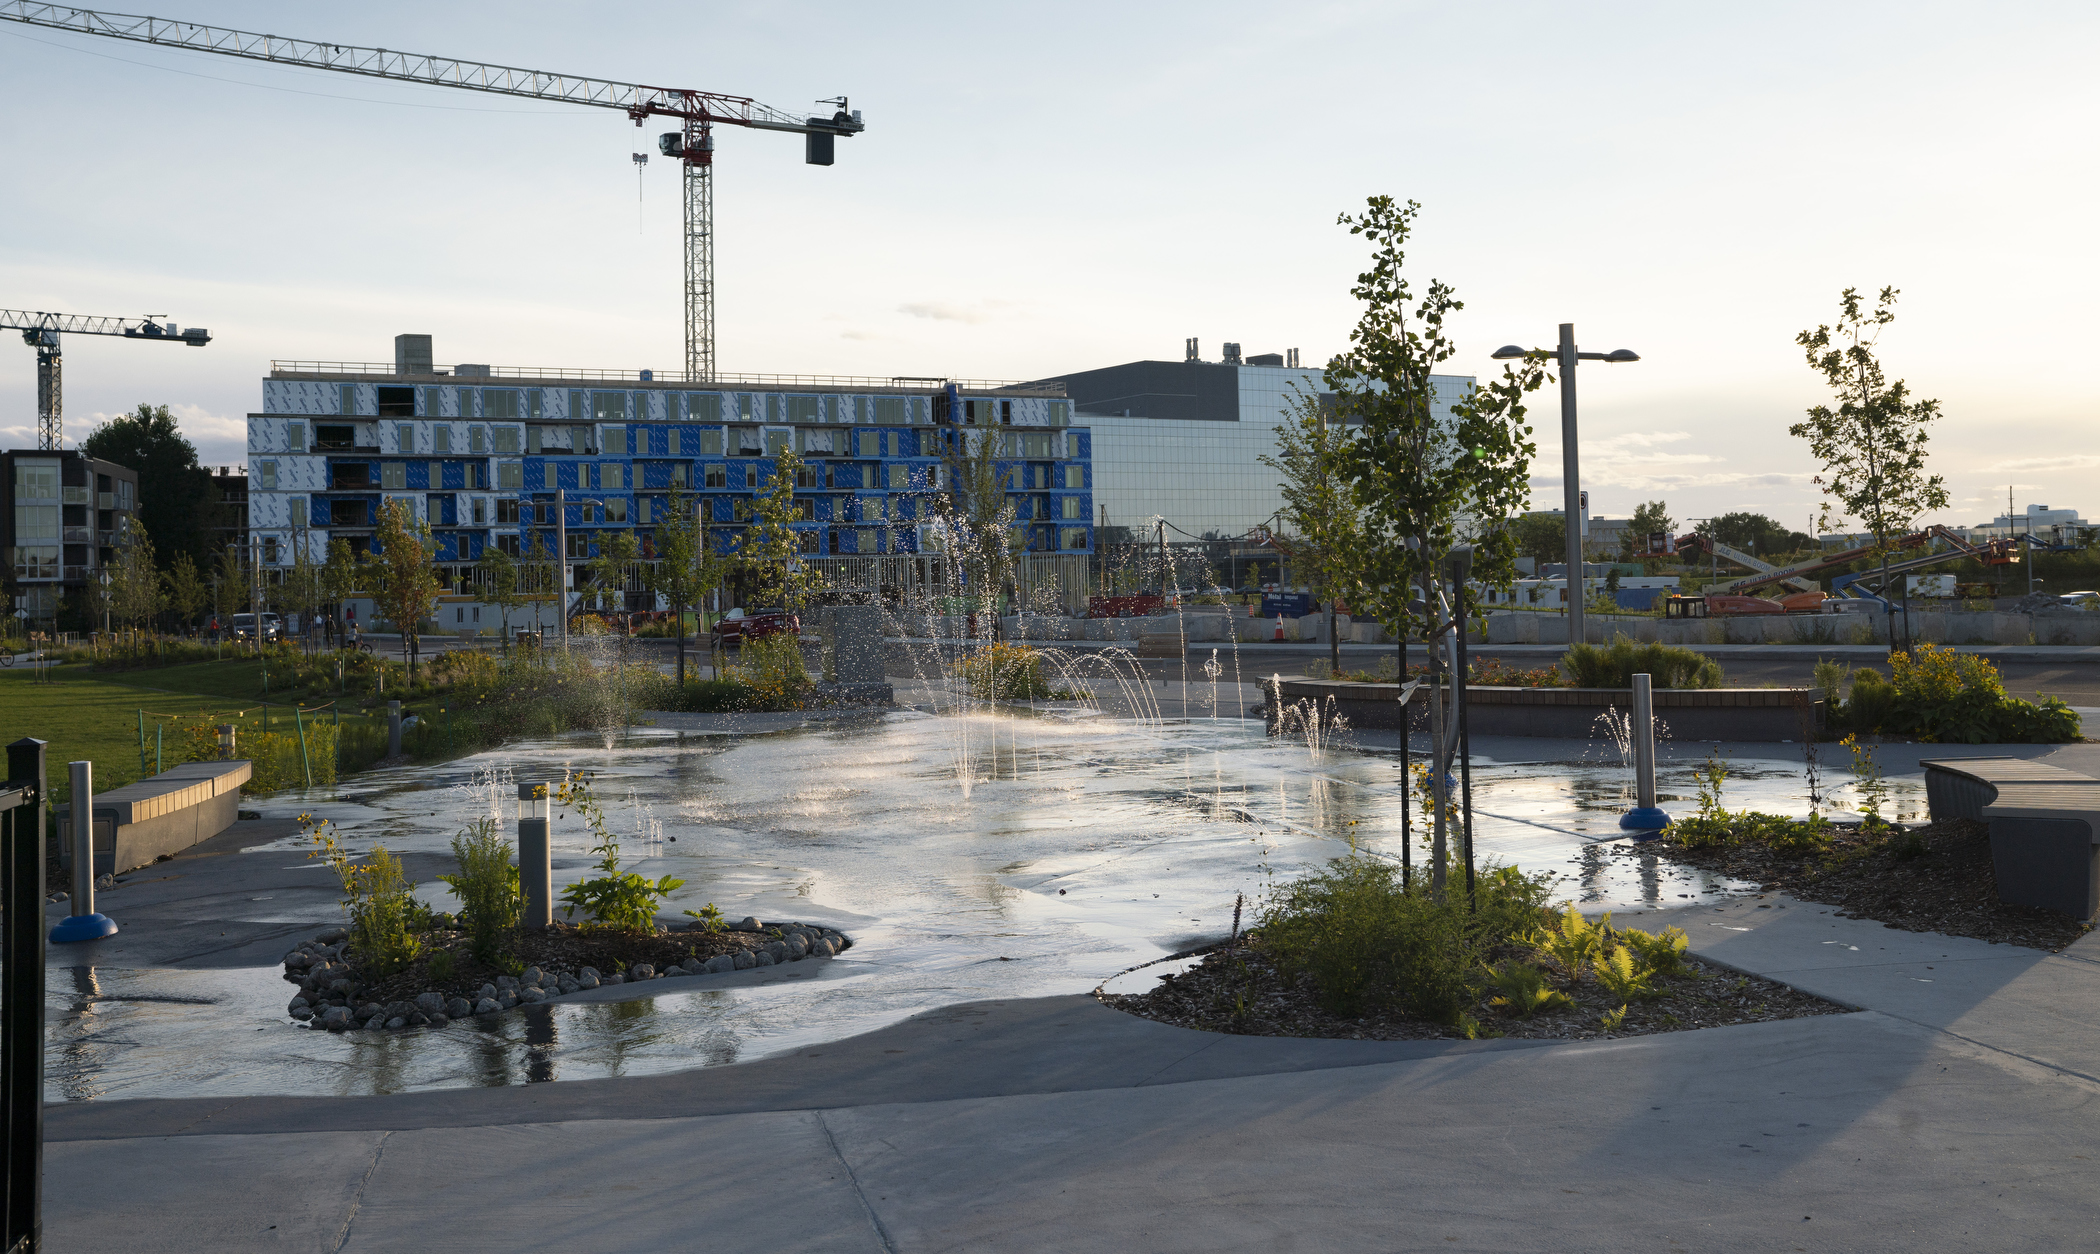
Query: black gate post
column 22, row 995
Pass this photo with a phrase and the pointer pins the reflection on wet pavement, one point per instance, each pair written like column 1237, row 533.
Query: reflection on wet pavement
column 970, row 857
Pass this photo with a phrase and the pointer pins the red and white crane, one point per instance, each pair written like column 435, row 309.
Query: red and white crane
column 697, row 113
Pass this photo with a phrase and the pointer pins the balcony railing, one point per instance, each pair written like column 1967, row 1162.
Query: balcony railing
column 720, row 380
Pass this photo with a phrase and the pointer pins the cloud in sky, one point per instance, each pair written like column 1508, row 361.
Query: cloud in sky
column 944, row 311
column 2075, row 461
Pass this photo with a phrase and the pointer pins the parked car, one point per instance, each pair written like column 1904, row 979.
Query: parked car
column 244, row 627
column 2078, row 598
column 739, row 625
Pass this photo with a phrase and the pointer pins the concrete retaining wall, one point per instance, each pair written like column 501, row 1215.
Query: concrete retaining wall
column 1960, row 627
column 1684, row 713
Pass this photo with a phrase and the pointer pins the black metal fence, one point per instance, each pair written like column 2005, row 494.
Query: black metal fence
column 22, row 800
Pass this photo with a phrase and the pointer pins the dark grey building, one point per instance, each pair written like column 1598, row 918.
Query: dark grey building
column 63, row 518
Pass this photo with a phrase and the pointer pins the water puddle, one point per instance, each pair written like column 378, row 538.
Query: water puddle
column 979, row 854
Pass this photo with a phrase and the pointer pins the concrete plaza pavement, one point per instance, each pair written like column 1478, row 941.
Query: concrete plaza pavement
column 1952, row 1110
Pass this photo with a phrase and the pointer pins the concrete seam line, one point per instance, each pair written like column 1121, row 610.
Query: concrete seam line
column 342, row 1237
column 882, row 1236
column 1177, row 1062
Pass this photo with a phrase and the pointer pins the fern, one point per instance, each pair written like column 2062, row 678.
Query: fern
column 1613, row 1020
column 1576, row 941
column 1523, row 990
column 1622, row 978
column 1663, row 954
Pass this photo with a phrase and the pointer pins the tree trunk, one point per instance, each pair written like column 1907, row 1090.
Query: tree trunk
column 1334, row 644
column 1439, row 786
column 679, row 609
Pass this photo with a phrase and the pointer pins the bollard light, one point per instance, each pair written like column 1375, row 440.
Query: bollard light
column 1644, row 821
column 83, row 924
column 225, row 742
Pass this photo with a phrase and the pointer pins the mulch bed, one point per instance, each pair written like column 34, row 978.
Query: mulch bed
column 562, row 947
column 1240, row 992
column 1935, row 878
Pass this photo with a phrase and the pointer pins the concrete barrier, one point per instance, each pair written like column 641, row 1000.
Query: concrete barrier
column 1572, row 713
column 166, row 813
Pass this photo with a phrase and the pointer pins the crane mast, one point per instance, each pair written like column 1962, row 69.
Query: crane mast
column 40, row 330
column 698, row 113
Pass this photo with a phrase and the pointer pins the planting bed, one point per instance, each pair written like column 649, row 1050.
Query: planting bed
column 1935, row 878
column 1241, row 992
column 337, row 994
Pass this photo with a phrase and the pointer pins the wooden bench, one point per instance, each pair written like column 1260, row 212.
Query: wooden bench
column 2043, row 838
column 1960, row 788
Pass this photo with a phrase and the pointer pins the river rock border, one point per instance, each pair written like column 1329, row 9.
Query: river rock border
column 329, row 987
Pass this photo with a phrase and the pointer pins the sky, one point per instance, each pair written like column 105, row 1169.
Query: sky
column 1043, row 189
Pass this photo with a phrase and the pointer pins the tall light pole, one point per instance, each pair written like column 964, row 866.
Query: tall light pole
column 1571, row 469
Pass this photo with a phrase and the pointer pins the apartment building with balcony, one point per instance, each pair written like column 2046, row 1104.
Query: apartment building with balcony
column 64, row 518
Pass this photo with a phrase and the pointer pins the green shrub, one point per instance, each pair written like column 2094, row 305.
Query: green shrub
column 1368, row 940
column 1948, row 698
column 1612, row 666
column 385, row 916
column 487, row 886
column 612, row 899
column 715, row 696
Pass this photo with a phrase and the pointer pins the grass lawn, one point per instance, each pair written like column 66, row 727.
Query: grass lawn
column 95, row 717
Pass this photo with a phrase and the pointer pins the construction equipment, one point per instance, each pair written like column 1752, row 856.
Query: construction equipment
column 698, row 112
column 41, row 330
column 1989, row 553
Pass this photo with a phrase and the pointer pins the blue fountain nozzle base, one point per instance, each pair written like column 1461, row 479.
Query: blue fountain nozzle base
column 83, row 927
column 1645, row 822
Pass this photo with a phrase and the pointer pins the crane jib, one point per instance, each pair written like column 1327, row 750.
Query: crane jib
column 699, row 110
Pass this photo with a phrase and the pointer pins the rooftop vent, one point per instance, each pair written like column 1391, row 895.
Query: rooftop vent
column 1232, row 354
column 1266, row 359
column 412, row 354
column 1189, row 352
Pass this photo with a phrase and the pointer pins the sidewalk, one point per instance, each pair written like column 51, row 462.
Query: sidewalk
column 1948, row 1115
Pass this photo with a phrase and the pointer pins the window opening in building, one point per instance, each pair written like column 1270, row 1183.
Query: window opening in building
column 266, row 476
column 710, row 444
column 397, row 402
column 616, row 510
column 614, row 441
column 1075, row 476
column 716, row 477
column 510, row 476
column 889, row 410
column 506, row 513
column 608, row 406
column 499, row 403
column 477, row 439
column 679, row 475
column 777, row 442
column 405, row 437
column 392, row 475
column 346, row 398
column 441, row 438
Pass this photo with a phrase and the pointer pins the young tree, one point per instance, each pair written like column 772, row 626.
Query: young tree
column 1426, row 481
column 1872, row 446
column 187, row 593
column 771, row 549
column 687, row 562
column 339, row 579
column 301, row 590
column 498, row 573
column 408, row 585
column 134, row 586
column 617, row 554
column 1320, row 514
column 229, row 585
column 977, row 516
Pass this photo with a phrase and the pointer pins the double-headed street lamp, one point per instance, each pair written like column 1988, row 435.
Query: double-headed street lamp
column 1570, row 467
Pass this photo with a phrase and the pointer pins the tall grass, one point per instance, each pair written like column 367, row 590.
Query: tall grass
column 1613, row 665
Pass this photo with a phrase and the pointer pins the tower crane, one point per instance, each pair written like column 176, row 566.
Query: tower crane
column 697, row 114
column 41, row 330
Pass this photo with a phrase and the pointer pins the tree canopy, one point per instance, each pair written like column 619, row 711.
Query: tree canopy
column 175, row 493
column 1756, row 533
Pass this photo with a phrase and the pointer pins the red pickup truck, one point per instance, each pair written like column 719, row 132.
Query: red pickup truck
column 738, row 626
